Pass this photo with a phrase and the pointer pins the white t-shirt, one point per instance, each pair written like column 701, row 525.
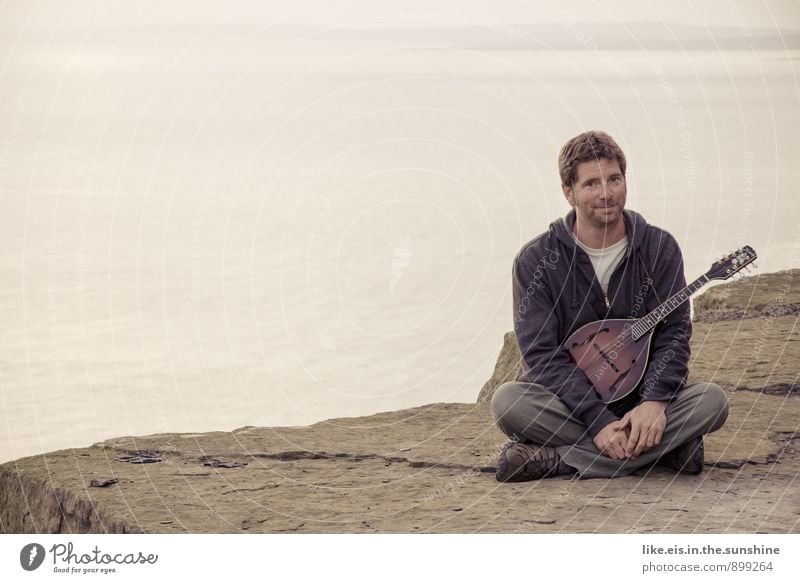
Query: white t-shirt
column 605, row 260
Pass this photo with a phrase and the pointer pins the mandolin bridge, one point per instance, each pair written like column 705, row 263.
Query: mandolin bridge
column 608, row 360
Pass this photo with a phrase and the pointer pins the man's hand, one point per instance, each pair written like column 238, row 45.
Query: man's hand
column 646, row 423
column 612, row 439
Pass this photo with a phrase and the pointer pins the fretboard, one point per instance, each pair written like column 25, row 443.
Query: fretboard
column 643, row 325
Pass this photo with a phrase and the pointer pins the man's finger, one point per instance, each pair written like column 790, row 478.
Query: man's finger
column 622, row 446
column 610, row 448
column 644, row 444
column 659, row 434
column 625, row 419
column 633, row 439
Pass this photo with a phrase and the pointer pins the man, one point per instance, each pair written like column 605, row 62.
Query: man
column 600, row 261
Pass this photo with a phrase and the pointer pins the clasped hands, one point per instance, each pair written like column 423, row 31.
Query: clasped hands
column 639, row 430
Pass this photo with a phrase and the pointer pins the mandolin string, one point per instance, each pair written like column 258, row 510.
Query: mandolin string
column 650, row 320
column 635, row 333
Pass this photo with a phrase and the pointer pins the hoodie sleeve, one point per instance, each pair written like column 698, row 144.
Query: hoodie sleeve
column 544, row 360
column 669, row 361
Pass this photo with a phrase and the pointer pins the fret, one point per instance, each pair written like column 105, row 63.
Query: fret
column 644, row 324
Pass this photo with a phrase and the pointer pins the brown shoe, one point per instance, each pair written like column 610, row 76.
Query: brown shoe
column 520, row 462
column 687, row 458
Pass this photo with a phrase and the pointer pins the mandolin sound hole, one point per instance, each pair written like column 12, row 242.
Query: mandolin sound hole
column 619, row 382
column 589, row 338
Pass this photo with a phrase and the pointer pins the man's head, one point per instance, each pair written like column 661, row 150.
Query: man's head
column 592, row 168
column 587, row 147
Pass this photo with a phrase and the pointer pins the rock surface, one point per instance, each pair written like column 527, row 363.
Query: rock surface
column 430, row 469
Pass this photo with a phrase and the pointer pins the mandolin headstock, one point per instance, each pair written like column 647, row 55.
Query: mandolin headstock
column 732, row 263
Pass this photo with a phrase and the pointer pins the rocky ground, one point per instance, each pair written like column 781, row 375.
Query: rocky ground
column 430, row 469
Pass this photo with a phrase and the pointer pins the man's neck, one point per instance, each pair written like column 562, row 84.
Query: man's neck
column 599, row 238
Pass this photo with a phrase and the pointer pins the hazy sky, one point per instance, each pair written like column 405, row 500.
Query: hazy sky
column 785, row 13
column 772, row 15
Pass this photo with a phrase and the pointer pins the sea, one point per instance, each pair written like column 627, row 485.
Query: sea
column 204, row 226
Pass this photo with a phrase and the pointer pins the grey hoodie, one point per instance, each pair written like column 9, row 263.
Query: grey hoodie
column 555, row 292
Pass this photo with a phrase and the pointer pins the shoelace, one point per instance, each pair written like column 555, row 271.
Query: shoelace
column 546, row 457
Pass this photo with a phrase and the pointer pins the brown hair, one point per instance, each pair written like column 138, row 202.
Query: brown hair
column 586, row 147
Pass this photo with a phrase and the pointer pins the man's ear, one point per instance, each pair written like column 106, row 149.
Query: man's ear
column 569, row 194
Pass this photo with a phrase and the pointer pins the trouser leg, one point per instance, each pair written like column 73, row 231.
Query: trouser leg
column 530, row 413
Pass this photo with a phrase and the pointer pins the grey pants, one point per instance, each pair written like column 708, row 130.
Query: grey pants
column 530, row 413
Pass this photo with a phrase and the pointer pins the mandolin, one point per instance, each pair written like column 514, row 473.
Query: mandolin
column 614, row 353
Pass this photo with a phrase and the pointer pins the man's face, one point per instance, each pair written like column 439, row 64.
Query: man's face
column 598, row 194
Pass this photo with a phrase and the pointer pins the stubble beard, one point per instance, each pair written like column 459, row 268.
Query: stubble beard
column 602, row 219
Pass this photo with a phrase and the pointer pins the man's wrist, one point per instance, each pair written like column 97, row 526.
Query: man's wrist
column 604, row 419
column 663, row 403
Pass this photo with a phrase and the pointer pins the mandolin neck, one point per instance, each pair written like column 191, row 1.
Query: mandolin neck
column 648, row 322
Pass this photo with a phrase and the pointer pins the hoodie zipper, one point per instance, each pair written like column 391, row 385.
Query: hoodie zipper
column 577, row 248
column 596, row 281
column 616, row 269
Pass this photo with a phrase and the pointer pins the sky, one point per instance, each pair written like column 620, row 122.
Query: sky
column 780, row 14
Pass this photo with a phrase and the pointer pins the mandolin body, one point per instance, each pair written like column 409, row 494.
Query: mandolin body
column 609, row 356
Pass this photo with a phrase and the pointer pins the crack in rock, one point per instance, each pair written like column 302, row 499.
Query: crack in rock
column 781, row 389
column 213, row 462
column 713, row 315
column 139, row 457
column 240, row 490
column 285, row 456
